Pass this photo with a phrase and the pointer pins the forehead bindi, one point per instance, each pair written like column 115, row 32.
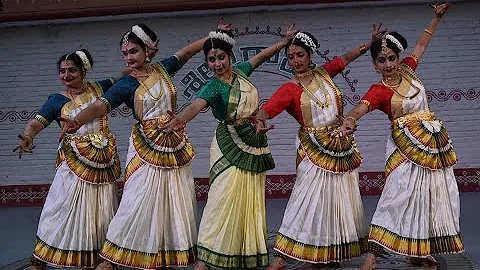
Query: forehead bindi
column 294, row 49
column 67, row 64
column 216, row 52
column 130, row 46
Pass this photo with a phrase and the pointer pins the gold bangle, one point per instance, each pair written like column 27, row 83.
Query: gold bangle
column 428, row 32
column 363, row 49
column 353, row 118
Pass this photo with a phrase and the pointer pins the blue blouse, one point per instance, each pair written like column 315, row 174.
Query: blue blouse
column 52, row 108
column 123, row 91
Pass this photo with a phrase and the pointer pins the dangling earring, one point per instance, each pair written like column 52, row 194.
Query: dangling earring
column 312, row 65
column 147, row 58
column 126, row 64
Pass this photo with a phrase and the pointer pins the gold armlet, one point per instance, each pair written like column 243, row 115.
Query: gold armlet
column 366, row 103
column 363, row 49
column 428, row 32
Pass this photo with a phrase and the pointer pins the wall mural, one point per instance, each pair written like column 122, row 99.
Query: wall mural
column 193, row 81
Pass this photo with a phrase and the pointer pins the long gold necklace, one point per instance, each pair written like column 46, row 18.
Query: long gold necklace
column 395, row 87
column 141, row 77
column 326, row 95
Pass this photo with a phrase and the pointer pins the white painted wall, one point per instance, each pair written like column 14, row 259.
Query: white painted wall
column 28, row 75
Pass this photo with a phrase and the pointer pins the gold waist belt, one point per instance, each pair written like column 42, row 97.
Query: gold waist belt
column 239, row 122
column 319, row 129
column 422, row 116
column 162, row 120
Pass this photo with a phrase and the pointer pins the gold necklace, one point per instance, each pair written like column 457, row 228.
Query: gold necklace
column 140, row 80
column 326, row 95
column 72, row 98
column 395, row 86
column 304, row 74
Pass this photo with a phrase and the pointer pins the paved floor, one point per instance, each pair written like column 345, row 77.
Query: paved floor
column 18, row 226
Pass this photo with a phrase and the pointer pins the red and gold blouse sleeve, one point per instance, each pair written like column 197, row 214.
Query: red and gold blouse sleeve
column 411, row 61
column 281, row 100
column 335, row 66
column 376, row 98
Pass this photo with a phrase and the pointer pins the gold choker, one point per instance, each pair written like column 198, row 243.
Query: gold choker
column 305, row 74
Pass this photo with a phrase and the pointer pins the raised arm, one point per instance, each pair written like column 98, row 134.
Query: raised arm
column 377, row 33
column 193, row 48
column 267, row 53
column 426, row 36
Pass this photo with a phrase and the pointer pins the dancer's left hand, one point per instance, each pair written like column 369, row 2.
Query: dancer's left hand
column 378, row 32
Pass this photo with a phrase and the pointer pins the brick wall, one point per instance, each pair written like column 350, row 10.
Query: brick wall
column 449, row 69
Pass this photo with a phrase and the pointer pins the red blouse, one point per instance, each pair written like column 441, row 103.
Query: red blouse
column 287, row 97
column 379, row 96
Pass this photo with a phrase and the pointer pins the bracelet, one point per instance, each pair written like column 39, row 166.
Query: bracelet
column 352, row 118
column 428, row 32
column 363, row 49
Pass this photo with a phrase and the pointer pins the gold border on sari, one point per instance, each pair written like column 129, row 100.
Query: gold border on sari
column 140, row 259
column 426, row 148
column 415, row 247
column 160, row 149
column 69, row 258
column 334, row 154
column 319, row 254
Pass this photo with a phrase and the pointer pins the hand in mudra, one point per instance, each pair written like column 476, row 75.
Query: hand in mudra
column 175, row 124
column 25, row 145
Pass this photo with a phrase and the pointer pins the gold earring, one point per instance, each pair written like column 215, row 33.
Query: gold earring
column 147, row 59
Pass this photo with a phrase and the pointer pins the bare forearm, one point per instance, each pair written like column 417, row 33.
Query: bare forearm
column 262, row 115
column 425, row 38
column 356, row 52
column 267, row 53
column 192, row 110
column 358, row 111
column 191, row 49
column 97, row 109
column 33, row 128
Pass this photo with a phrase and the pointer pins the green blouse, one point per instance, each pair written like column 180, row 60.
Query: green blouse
column 217, row 92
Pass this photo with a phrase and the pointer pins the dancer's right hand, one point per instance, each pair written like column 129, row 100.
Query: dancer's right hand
column 71, row 126
column 261, row 126
column 25, row 145
column 175, row 124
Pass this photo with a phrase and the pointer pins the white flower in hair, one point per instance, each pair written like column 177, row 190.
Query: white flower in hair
column 222, row 36
column 138, row 31
column 305, row 39
column 395, row 41
column 84, row 58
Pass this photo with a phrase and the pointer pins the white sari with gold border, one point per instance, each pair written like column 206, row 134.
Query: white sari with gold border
column 83, row 196
column 324, row 218
column 419, row 210
column 155, row 224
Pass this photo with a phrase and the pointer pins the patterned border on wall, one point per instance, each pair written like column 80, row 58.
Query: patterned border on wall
column 124, row 111
column 277, row 186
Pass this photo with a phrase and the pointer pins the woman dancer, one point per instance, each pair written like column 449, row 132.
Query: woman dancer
column 418, row 212
column 83, row 196
column 324, row 220
column 155, row 224
column 233, row 228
